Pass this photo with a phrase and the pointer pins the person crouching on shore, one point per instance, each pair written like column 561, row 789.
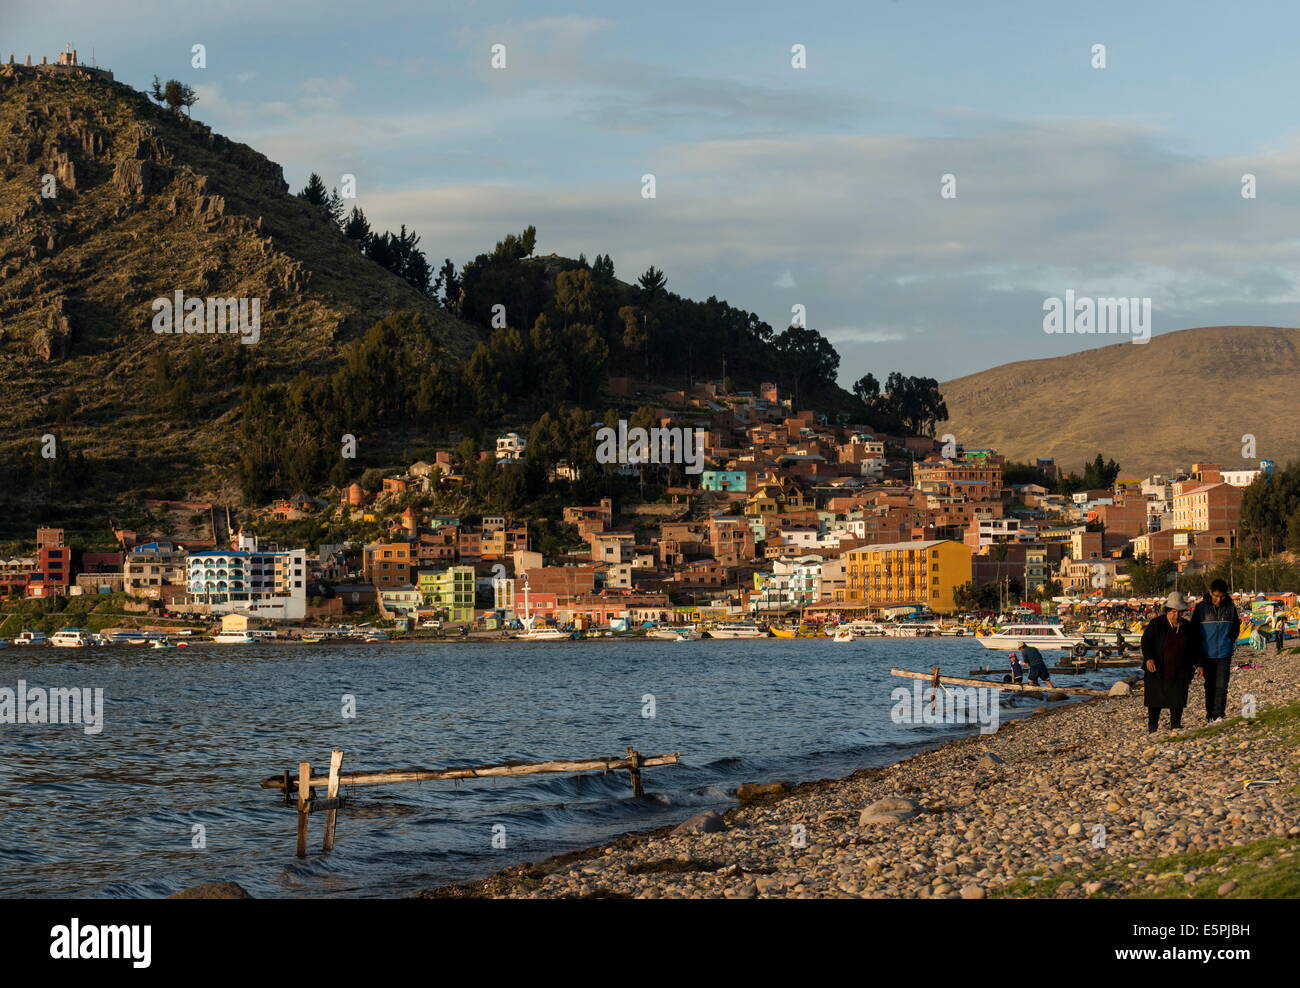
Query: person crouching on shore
column 1172, row 654
column 1037, row 665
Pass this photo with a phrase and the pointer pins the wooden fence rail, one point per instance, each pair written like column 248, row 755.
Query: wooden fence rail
column 305, row 783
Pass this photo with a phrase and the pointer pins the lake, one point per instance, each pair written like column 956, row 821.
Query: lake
column 189, row 733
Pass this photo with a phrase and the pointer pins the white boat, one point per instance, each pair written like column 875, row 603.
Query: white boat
column 72, row 638
column 377, row 636
column 545, row 635
column 867, row 629
column 844, row 635
column 163, row 644
column 1050, row 636
column 736, row 629
column 31, row 638
column 674, row 634
column 915, row 629
column 234, row 638
column 957, row 632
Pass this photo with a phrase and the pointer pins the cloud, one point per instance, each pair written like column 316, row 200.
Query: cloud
column 785, row 280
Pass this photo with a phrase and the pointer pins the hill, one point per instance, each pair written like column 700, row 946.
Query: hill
column 147, row 203
column 1185, row 396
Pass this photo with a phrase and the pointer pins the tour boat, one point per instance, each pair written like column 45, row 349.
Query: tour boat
column 866, row 629
column 674, row 633
column 234, row 638
column 72, row 638
column 31, row 638
column 1051, row 636
column 545, row 635
column 914, row 629
column 736, row 629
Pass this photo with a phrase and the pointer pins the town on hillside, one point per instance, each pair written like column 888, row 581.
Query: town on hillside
column 792, row 518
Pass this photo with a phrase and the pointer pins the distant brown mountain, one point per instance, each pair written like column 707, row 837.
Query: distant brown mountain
column 1184, row 397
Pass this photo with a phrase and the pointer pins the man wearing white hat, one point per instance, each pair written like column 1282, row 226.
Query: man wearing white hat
column 1171, row 653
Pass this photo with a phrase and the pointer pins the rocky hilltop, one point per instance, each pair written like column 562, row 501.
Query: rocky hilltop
column 145, row 203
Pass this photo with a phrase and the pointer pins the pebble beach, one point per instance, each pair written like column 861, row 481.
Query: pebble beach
column 1075, row 801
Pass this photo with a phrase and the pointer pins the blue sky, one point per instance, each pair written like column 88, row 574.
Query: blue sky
column 779, row 186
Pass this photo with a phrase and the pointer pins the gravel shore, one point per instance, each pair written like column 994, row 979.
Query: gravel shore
column 1074, row 801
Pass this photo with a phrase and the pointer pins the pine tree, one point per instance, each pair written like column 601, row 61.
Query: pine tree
column 314, row 191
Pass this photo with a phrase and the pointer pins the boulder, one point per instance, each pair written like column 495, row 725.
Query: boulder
column 212, row 890
column 756, row 790
column 888, row 811
column 1121, row 689
column 709, row 822
column 990, row 760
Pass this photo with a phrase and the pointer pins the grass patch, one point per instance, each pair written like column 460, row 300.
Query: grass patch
column 1284, row 719
column 1267, row 868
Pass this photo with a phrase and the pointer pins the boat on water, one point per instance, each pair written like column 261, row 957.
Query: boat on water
column 803, row 631
column 844, row 635
column 735, row 629
column 160, row 643
column 377, row 636
column 31, row 638
column 1051, row 636
column 672, row 633
column 234, row 638
column 915, row 629
column 73, row 638
column 957, row 632
column 866, row 629
column 545, row 635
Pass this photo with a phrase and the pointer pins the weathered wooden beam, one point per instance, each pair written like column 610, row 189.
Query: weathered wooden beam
column 634, row 771
column 332, row 794
column 304, row 798
column 1012, row 687
column 473, row 772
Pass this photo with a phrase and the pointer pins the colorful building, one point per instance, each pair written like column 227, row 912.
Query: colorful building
column 907, row 573
column 449, row 591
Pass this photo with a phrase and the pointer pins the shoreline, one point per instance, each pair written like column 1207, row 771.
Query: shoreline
column 1014, row 813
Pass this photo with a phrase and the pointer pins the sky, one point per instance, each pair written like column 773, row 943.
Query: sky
column 778, row 186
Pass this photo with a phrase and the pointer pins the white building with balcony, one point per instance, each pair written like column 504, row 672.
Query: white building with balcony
column 253, row 582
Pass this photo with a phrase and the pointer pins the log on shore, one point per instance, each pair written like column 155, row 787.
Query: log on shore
column 474, row 771
column 963, row 681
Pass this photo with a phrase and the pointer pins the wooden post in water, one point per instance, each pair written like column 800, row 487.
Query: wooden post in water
column 332, row 793
column 304, row 803
column 634, row 771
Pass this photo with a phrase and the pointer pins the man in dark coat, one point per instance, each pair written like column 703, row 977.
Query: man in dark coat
column 1171, row 652
column 1219, row 623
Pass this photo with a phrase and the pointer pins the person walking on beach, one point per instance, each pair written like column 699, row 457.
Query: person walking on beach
column 1219, row 623
column 1171, row 652
column 1037, row 666
column 1017, row 670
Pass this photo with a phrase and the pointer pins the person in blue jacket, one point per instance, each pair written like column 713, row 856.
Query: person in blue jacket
column 1216, row 618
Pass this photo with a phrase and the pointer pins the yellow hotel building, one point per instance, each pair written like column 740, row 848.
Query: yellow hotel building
column 907, row 573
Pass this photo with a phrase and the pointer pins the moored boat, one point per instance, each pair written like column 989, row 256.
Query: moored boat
column 1050, row 636
column 72, row 638
column 735, row 629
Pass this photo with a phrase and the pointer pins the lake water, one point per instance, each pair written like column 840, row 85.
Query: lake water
column 189, row 733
